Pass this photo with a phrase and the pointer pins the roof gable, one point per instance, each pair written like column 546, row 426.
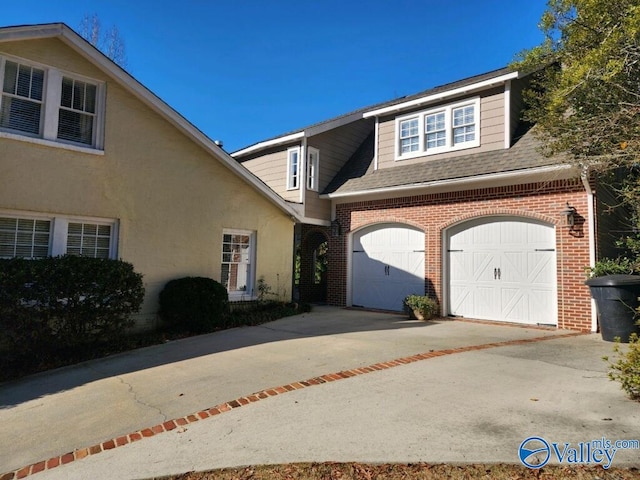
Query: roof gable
column 133, row 86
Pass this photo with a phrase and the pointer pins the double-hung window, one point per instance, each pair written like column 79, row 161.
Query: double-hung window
column 36, row 237
column 54, row 106
column 22, row 98
column 237, row 268
column 313, row 163
column 438, row 130
column 293, row 168
column 409, row 135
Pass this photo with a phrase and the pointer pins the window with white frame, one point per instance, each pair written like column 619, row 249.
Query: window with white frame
column 24, row 237
column 293, row 168
column 46, row 103
column 237, row 268
column 438, row 130
column 37, row 237
column 313, row 163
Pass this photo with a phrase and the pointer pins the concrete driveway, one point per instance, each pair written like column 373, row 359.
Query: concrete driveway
column 331, row 385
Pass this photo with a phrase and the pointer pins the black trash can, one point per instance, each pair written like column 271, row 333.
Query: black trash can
column 616, row 299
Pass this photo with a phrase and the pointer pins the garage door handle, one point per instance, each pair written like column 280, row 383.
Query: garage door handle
column 386, row 270
column 496, row 274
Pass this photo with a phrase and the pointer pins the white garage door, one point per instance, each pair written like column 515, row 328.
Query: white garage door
column 503, row 269
column 387, row 265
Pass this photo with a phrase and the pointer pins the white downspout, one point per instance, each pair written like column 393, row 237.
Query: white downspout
column 592, row 238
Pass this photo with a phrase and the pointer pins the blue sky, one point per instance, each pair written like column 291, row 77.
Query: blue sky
column 246, row 70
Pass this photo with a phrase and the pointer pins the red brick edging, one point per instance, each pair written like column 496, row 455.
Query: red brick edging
column 255, row 397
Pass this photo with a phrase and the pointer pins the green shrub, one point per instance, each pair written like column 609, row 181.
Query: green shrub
column 66, row 300
column 422, row 305
column 626, row 367
column 194, row 304
column 611, row 266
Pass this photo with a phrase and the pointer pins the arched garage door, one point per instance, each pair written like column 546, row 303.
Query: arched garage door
column 503, row 268
column 387, row 265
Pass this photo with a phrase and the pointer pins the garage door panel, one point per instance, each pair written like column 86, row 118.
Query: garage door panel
column 387, row 265
column 507, row 267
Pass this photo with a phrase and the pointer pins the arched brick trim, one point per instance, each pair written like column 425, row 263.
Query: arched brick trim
column 388, row 219
column 315, row 230
column 498, row 212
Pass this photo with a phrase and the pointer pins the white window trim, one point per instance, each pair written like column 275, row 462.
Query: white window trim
column 51, row 105
column 290, row 177
column 449, row 146
column 313, row 164
column 59, row 229
column 248, row 294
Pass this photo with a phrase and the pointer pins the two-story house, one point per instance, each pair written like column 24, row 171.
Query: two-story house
column 93, row 163
column 444, row 192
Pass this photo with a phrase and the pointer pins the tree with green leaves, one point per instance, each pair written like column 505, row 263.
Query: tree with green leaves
column 585, row 92
column 585, row 98
column 107, row 41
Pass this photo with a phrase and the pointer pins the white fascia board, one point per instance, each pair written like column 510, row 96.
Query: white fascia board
column 416, row 102
column 76, row 42
column 555, row 172
column 269, row 143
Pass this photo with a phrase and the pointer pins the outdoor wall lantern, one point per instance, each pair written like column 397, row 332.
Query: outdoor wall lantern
column 335, row 228
column 569, row 216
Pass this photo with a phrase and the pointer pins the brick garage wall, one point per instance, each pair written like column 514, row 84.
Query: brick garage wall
column 436, row 212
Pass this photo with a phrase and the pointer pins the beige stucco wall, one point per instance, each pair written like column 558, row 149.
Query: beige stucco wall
column 172, row 198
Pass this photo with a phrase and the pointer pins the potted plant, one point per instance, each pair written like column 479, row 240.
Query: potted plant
column 420, row 307
column 615, row 290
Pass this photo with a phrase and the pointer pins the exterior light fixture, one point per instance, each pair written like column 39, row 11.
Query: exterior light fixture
column 335, row 228
column 569, row 216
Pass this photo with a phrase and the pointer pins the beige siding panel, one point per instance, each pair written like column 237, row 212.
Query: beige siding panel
column 491, row 132
column 337, row 146
column 316, row 207
column 271, row 167
column 172, row 198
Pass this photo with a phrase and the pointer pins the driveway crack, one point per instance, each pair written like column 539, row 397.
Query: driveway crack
column 133, row 394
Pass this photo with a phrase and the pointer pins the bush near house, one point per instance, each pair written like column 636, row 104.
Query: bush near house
column 67, row 302
column 422, row 306
column 194, row 304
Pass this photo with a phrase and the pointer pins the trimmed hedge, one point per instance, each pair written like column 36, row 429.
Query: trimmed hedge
column 194, row 304
column 59, row 302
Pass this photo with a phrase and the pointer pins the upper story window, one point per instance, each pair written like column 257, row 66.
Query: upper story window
column 45, row 103
column 438, row 130
column 22, row 89
column 313, row 163
column 293, row 168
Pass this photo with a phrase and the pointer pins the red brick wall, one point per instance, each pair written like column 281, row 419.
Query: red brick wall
column 436, row 212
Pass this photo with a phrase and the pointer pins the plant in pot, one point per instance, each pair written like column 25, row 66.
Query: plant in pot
column 421, row 307
column 615, row 288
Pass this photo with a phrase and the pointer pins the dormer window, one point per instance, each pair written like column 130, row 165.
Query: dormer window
column 438, row 130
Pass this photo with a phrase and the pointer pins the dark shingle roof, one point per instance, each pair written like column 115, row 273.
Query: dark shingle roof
column 358, row 175
column 431, row 91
